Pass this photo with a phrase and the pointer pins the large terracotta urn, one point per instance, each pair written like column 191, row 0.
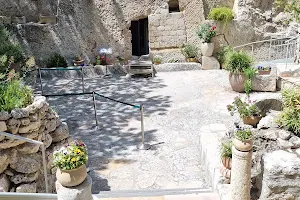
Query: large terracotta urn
column 253, row 120
column 237, row 81
column 207, row 49
column 73, row 177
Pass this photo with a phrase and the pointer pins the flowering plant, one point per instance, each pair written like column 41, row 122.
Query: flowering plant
column 102, row 60
column 244, row 108
column 264, row 68
column 206, row 32
column 72, row 156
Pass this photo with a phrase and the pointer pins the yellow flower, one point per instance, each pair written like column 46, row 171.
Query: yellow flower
column 73, row 160
column 78, row 151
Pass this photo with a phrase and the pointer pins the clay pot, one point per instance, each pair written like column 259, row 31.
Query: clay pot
column 78, row 62
column 243, row 145
column 253, row 120
column 237, row 81
column 264, row 72
column 207, row 49
column 225, row 172
column 70, row 178
column 227, row 162
column 192, row 59
column 157, row 63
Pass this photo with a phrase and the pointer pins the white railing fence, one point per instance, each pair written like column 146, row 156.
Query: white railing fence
column 282, row 49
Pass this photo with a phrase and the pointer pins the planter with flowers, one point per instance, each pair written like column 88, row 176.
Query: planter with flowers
column 226, row 158
column 70, row 162
column 248, row 111
column 206, row 33
column 102, row 60
column 243, row 140
column 78, row 61
column 264, row 70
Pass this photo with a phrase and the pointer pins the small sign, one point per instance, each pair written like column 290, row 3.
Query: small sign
column 105, row 51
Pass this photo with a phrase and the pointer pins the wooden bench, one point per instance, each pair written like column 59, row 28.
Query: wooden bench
column 141, row 67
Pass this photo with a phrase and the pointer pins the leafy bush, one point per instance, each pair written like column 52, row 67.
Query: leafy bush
column 226, row 149
column 10, row 46
column 190, row 51
column 237, row 61
column 220, row 55
column 13, row 94
column 243, row 135
column 206, row 33
column 290, row 116
column 222, row 14
column 173, row 60
column 57, row 60
column 290, row 6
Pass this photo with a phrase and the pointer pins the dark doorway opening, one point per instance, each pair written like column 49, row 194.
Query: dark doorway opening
column 173, row 6
column 140, row 37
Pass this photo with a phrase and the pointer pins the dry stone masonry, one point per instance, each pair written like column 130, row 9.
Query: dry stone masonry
column 20, row 161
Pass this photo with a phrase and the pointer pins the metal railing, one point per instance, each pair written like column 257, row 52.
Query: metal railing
column 282, row 48
column 33, row 142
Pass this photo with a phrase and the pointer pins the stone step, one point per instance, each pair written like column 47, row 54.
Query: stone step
column 204, row 196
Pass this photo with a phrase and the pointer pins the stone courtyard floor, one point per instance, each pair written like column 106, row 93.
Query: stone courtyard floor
column 177, row 105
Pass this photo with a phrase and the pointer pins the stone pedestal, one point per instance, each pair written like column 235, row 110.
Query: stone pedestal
column 240, row 175
column 210, row 63
column 80, row 192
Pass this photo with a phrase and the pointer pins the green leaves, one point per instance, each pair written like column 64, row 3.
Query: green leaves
column 243, row 135
column 14, row 95
column 190, row 51
column 290, row 6
column 237, row 61
column 206, row 33
column 290, row 115
column 222, row 14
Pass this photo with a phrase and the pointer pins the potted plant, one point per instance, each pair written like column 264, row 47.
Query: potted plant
column 78, row 61
column 190, row 52
column 264, row 70
column 236, row 62
column 206, row 33
column 248, row 111
column 243, row 140
column 157, row 60
column 226, row 157
column 70, row 162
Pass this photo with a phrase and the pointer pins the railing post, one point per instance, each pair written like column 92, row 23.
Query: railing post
column 95, row 109
column 286, row 57
column 40, row 74
column 143, row 145
column 45, row 168
column 270, row 50
column 82, row 79
column 252, row 50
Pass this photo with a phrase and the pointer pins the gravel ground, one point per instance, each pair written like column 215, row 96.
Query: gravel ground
column 176, row 104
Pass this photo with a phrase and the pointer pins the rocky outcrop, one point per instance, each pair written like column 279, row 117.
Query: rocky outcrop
column 21, row 162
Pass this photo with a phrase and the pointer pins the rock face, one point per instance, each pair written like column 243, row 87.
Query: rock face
column 210, row 63
column 281, row 175
column 20, row 161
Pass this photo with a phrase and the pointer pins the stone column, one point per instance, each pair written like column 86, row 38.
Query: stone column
column 79, row 192
column 240, row 174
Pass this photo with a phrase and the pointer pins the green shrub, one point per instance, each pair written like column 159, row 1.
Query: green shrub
column 237, row 61
column 223, row 14
column 14, row 95
column 220, row 55
column 57, row 60
column 290, row 116
column 10, row 46
column 190, row 51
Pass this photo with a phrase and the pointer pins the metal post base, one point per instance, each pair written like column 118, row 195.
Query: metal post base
column 143, row 146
